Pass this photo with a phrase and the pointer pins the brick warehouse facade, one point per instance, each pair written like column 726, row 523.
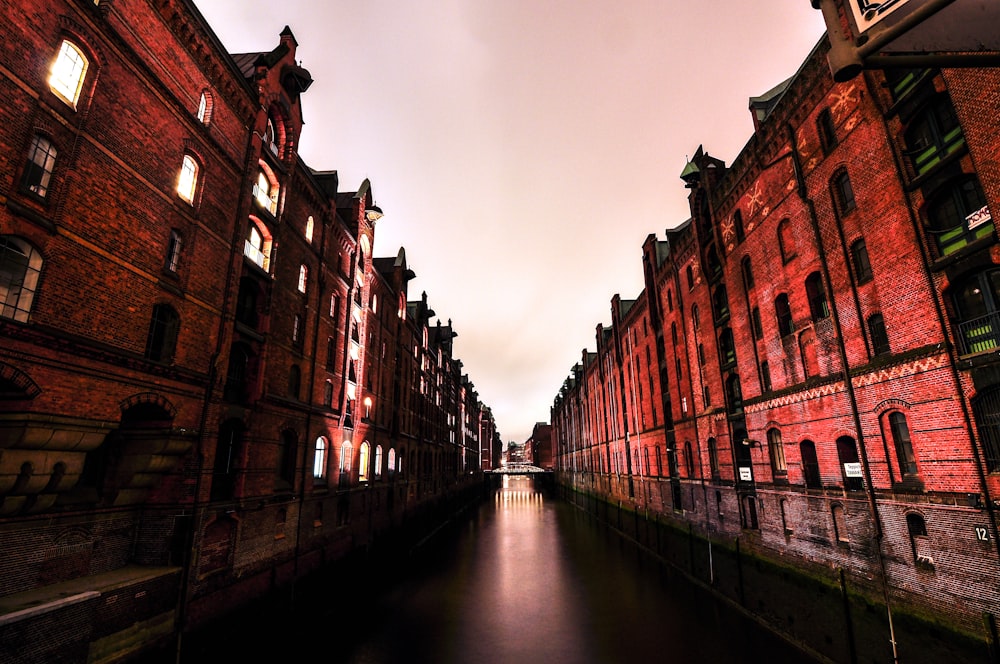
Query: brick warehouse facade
column 209, row 387
column 810, row 374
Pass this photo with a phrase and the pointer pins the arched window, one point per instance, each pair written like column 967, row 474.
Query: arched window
column 391, row 466
column 346, row 450
column 173, row 257
column 727, row 348
column 205, row 106
column 20, row 266
column 187, row 179
column 309, row 229
column 783, row 314
column 957, row 215
column 777, row 453
column 689, row 272
column 68, row 73
column 257, row 244
column 900, row 433
column 816, row 295
column 266, row 190
column 319, row 459
column 827, row 131
column 161, row 341
column 859, row 259
column 720, row 304
column 786, row 240
column 810, row 465
column 747, row 273
column 847, row 451
column 378, row 461
column 735, row 394
column 879, row 336
column 843, row 193
column 41, row 163
column 713, row 457
column 363, row 462
column 303, row 278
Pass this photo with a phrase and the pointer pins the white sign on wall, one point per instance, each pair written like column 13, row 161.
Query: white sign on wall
column 852, row 469
column 746, row 474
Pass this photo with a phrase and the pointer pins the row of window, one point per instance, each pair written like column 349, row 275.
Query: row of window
column 368, row 467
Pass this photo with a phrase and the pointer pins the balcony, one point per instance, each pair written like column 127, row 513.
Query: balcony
column 980, row 334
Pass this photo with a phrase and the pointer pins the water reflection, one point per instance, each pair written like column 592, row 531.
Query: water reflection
column 533, row 580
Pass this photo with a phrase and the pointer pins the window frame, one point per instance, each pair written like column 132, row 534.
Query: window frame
column 66, row 78
column 37, row 176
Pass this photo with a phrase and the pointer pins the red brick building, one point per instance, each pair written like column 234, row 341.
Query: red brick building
column 810, row 373
column 209, row 388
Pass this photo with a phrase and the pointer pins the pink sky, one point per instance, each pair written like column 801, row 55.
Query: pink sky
column 522, row 151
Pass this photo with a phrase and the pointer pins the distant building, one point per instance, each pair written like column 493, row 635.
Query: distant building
column 812, row 370
column 540, row 445
column 208, row 387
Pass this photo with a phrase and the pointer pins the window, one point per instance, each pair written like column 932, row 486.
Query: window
column 237, row 388
column 738, row 226
column 986, row 411
column 916, row 527
column 246, row 302
column 957, row 215
column 735, row 393
column 786, row 240
column 933, row 134
column 695, row 317
column 378, row 461
column 41, row 163
column 363, row 463
column 303, row 278
column 286, row 458
column 345, row 457
column 783, row 314
column 68, row 73
column 843, row 193
column 309, row 229
column 777, row 452
column 257, row 245
column 878, row 334
column 319, row 459
column 862, row 266
column 20, row 265
column 173, row 257
column 747, row 273
column 727, row 348
column 720, row 304
column 297, row 329
column 816, row 295
column 187, row 180
column 331, row 353
column 810, row 465
column 827, row 132
column 205, row 108
column 392, row 461
column 334, row 305
column 688, row 459
column 294, row 381
column 689, row 271
column 713, row 457
column 904, row 447
column 765, row 377
column 755, row 325
column 701, row 354
column 839, row 523
column 328, row 393
column 161, row 341
column 850, row 466
column 227, row 453
column 266, row 191
column 673, row 333
column 670, row 300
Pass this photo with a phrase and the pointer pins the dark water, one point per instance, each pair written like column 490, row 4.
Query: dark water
column 529, row 579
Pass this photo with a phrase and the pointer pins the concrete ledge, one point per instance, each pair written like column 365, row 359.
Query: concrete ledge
column 46, row 607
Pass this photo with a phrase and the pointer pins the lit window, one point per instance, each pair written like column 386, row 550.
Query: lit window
column 41, row 162
column 205, row 108
column 303, row 276
column 68, row 72
column 257, row 245
column 20, row 264
column 173, row 251
column 777, row 450
column 319, row 459
column 266, row 192
column 378, row 461
column 188, row 178
column 392, row 460
column 333, row 305
column 345, row 457
column 363, row 463
column 309, row 229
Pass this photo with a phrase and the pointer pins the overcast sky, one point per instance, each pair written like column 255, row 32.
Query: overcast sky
column 523, row 150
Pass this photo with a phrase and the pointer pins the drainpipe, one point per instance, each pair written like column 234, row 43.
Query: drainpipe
column 803, row 194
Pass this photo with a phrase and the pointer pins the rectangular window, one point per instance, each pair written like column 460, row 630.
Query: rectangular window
column 41, row 162
column 173, row 251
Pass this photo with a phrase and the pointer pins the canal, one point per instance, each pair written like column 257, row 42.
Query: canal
column 526, row 579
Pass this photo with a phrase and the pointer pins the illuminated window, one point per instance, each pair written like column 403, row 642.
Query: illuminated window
column 303, row 277
column 378, row 461
column 257, row 245
column 777, row 450
column 345, row 457
column 319, row 459
column 68, row 72
column 266, row 192
column 41, row 162
column 392, row 460
column 20, row 264
column 363, row 463
column 187, row 181
column 205, row 108
column 309, row 229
